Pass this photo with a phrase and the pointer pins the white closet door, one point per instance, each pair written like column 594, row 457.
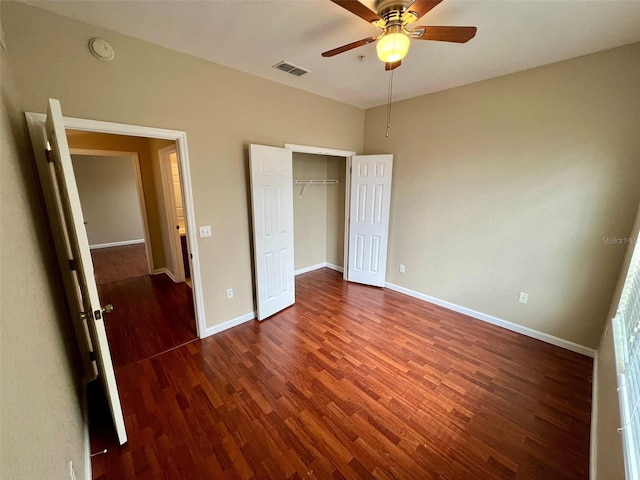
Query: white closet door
column 272, row 207
column 369, row 218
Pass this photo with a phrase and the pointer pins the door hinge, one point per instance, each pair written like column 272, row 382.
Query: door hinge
column 92, row 356
column 73, row 265
column 191, row 256
column 47, row 152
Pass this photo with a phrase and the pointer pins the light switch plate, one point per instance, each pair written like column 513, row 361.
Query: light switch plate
column 205, row 231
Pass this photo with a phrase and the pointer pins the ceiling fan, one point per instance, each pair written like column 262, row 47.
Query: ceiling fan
column 393, row 17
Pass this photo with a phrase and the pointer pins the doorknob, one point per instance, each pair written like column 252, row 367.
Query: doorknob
column 107, row 308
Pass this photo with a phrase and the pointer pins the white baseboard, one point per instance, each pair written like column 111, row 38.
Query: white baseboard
column 229, row 324
column 159, row 271
column 593, row 451
column 116, row 244
column 317, row 266
column 309, row 269
column 529, row 332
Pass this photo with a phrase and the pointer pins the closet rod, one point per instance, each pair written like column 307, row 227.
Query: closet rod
column 317, row 182
column 313, row 182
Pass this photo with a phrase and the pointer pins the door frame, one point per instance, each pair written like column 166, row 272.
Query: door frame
column 139, row 190
column 171, row 211
column 178, row 136
column 347, row 154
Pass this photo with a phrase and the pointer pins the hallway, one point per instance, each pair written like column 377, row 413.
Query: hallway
column 119, row 263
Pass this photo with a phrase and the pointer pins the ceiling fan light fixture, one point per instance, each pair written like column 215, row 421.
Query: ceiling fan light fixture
column 393, row 46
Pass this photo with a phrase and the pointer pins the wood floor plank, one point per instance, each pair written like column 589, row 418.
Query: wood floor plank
column 356, row 382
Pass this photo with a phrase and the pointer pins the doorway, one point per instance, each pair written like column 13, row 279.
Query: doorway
column 129, row 231
column 367, row 207
column 154, row 135
column 175, row 214
column 318, row 211
column 336, row 159
column 58, row 181
column 115, row 212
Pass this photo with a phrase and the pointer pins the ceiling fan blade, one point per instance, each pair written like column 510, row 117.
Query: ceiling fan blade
column 349, row 46
column 392, row 65
column 358, row 9
column 445, row 34
column 422, row 7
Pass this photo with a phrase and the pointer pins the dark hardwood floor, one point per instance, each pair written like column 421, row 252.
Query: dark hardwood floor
column 151, row 314
column 355, row 382
column 113, row 264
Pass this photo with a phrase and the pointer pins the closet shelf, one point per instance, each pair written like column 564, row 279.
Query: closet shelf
column 307, row 183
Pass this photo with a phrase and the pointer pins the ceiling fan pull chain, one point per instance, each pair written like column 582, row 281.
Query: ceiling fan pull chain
column 389, row 95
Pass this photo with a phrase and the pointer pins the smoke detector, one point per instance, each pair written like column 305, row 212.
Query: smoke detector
column 101, row 49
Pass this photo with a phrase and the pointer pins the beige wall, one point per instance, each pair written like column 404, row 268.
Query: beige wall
column 336, row 168
column 222, row 110
column 607, row 457
column 109, row 196
column 510, row 184
column 41, row 419
column 319, row 214
column 310, row 211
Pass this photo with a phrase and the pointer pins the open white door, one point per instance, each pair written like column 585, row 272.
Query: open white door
column 72, row 246
column 369, row 218
column 167, row 157
column 271, row 171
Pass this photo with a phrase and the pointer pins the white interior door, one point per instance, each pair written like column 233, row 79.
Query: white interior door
column 271, row 171
column 177, row 192
column 72, row 245
column 168, row 158
column 369, row 218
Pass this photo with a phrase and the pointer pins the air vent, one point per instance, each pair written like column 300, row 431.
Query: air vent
column 290, row 68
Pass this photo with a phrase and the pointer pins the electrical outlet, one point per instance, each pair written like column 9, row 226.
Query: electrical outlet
column 72, row 471
column 205, row 231
column 229, row 293
column 401, row 268
column 524, row 297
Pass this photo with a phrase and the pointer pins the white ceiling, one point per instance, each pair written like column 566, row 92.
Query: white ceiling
column 253, row 35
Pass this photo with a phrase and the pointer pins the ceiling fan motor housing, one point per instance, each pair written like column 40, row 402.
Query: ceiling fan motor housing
column 392, row 10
